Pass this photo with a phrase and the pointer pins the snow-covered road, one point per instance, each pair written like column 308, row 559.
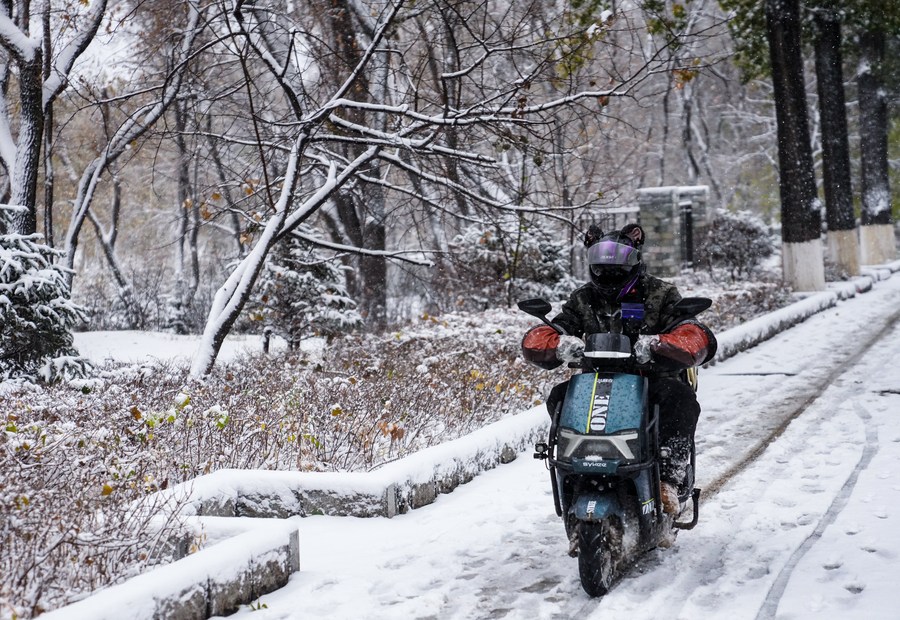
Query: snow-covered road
column 804, row 521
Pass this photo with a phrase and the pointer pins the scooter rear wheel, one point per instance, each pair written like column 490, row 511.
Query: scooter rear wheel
column 595, row 557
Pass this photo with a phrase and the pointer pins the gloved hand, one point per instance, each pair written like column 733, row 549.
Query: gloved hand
column 570, row 349
column 643, row 348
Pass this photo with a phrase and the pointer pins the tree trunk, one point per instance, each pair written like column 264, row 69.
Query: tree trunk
column 843, row 248
column 136, row 316
column 231, row 297
column 362, row 211
column 48, row 177
column 877, row 233
column 28, row 148
column 224, row 189
column 800, row 208
column 189, row 226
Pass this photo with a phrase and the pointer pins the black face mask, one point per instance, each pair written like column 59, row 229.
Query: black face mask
column 610, row 275
column 612, row 282
column 609, row 278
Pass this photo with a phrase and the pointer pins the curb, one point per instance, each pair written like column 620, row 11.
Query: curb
column 760, row 329
column 214, row 581
column 395, row 488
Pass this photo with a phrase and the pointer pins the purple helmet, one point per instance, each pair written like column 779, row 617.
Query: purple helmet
column 615, row 265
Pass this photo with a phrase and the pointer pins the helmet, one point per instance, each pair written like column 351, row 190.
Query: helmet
column 615, row 264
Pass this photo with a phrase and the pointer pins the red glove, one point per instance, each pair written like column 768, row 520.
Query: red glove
column 687, row 344
column 539, row 346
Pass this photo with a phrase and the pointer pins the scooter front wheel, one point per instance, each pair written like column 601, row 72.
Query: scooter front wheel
column 596, row 556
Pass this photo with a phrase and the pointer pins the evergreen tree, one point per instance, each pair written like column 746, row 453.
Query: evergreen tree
column 511, row 262
column 36, row 314
column 303, row 294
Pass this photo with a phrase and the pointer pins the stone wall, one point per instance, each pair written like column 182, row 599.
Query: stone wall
column 672, row 218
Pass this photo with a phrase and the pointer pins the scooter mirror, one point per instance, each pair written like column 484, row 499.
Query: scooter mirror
column 535, row 307
column 692, row 306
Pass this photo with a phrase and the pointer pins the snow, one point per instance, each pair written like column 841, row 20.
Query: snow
column 24, row 46
column 798, row 451
column 216, row 568
column 138, row 346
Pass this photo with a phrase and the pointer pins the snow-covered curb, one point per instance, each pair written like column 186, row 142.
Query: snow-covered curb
column 214, row 581
column 249, row 557
column 762, row 328
column 393, row 489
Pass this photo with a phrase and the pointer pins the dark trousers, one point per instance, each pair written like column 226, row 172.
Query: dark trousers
column 678, row 409
column 678, row 415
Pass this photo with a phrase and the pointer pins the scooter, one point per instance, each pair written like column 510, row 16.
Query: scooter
column 604, row 457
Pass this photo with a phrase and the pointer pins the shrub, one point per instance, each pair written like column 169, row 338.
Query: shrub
column 736, row 243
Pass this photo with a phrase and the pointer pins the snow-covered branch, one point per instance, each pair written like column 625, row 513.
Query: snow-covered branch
column 65, row 59
column 17, row 42
column 399, row 255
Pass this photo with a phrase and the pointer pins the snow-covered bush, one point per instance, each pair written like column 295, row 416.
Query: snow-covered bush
column 302, row 294
column 735, row 243
column 36, row 314
column 735, row 303
column 509, row 262
column 70, row 521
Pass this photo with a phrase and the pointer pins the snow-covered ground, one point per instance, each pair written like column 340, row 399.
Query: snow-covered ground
column 138, row 346
column 810, row 528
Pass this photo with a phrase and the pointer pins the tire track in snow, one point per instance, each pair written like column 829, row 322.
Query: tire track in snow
column 754, row 453
column 773, row 598
column 648, row 587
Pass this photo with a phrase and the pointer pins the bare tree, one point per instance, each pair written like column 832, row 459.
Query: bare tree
column 126, row 118
column 383, row 124
column 31, row 38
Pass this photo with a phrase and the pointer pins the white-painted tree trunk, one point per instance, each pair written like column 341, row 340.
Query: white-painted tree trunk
column 804, row 269
column 877, row 244
column 843, row 250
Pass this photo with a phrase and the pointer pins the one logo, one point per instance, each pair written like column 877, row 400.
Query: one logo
column 648, row 506
column 600, row 405
column 592, row 505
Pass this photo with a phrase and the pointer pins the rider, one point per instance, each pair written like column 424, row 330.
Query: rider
column 621, row 297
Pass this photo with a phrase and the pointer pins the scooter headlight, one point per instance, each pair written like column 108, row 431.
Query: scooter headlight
column 624, row 446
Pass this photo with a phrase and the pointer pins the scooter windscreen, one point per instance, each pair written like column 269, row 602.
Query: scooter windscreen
column 607, row 346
